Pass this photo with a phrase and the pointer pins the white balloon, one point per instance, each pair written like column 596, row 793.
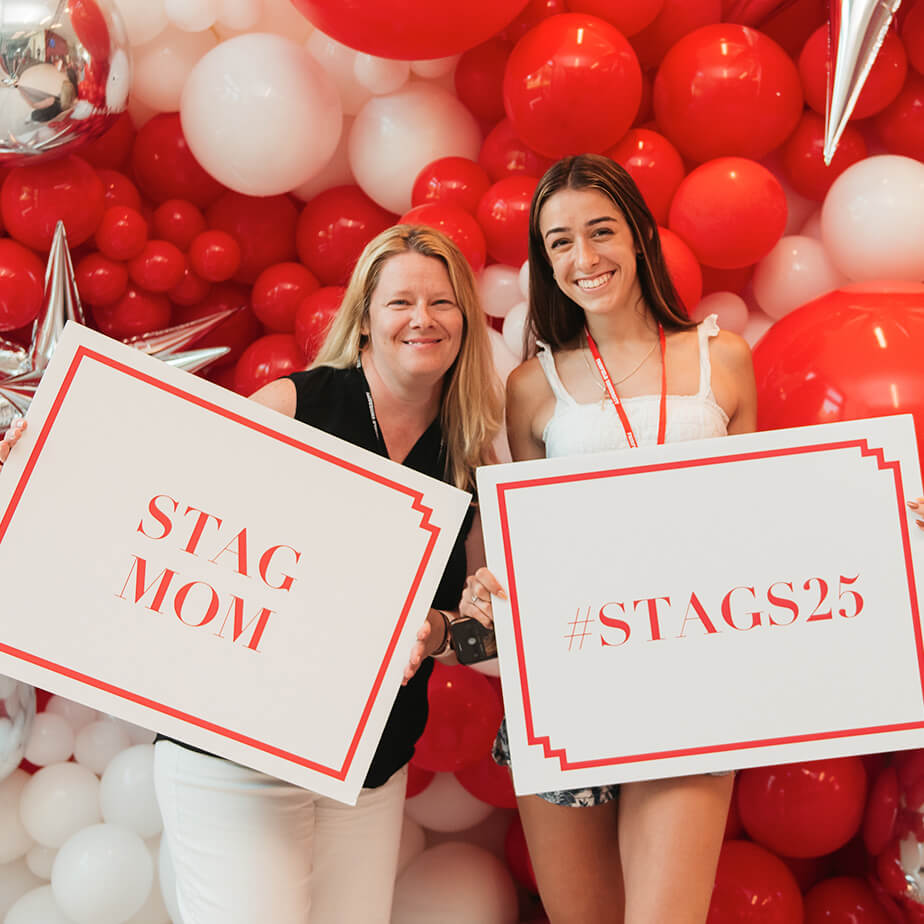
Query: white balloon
column 732, row 310
column 514, row 325
column 490, row 834
column 504, row 361
column 8, row 685
column 126, row 792
column 413, row 842
column 455, row 883
column 242, row 15
column 51, row 740
column 524, row 279
column 143, row 19
column 338, row 62
column 812, row 226
column 277, row 16
column 167, row 876
column 793, row 273
column 499, row 289
column 40, row 860
column 431, row 68
column 37, row 907
column 336, row 172
column 394, row 137
column 140, row 113
column 136, row 734
column 163, row 65
column 192, row 15
column 15, row 840
column 872, row 219
column 154, row 910
column 16, row 879
column 758, row 324
column 260, row 115
column 97, row 743
column 380, row 75
column 119, row 81
column 58, row 801
column 77, row 714
column 446, row 805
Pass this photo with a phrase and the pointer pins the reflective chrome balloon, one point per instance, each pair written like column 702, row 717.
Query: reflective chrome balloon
column 17, row 710
column 65, row 74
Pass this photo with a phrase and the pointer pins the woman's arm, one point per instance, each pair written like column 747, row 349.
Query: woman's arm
column 733, row 381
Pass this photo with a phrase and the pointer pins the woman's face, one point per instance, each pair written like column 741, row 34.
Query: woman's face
column 415, row 325
column 591, row 250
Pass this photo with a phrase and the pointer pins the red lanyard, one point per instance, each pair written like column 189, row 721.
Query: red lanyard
column 614, row 397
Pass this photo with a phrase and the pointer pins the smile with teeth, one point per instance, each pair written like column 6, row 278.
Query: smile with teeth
column 594, row 282
column 423, row 342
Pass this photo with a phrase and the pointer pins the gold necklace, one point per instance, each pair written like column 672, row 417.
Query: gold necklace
column 596, row 375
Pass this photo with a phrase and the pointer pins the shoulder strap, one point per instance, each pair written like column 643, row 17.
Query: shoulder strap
column 708, row 327
column 547, row 362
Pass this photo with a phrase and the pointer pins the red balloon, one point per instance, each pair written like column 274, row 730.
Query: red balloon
column 556, row 78
column 725, row 90
column 178, row 221
column 22, row 285
column 100, row 281
column 629, row 16
column 793, row 22
column 503, row 214
column 214, row 255
column 912, row 33
column 809, row 870
column 832, row 346
column 752, row 886
column 803, row 156
column 803, row 810
column 733, row 829
column 465, row 713
column 265, row 360
column 411, row 29
column 726, row 280
column 417, row 780
column 278, row 292
column 165, row 168
column 504, row 153
column 237, row 332
column 36, row 197
column 683, row 268
column 881, row 812
column 489, row 782
column 843, row 900
column 118, row 189
column 731, row 211
column 334, row 227
column 457, row 224
column 901, row 124
column 159, row 267
column 122, row 233
column 655, row 165
column 479, row 78
column 676, row 19
column 517, row 855
column 113, row 147
column 532, row 14
column 452, row 180
column 883, row 83
column 264, row 227
column 313, row 317
column 190, row 290
column 136, row 312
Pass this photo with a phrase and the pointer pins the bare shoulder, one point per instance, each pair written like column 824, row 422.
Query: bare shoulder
column 731, row 351
column 527, row 384
column 278, row 395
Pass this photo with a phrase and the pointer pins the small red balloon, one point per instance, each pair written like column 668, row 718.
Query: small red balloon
column 676, row 19
column 843, row 900
column 22, row 285
column 881, row 812
column 683, row 268
column 158, row 268
column 557, row 76
column 655, row 165
column 313, row 317
column 516, row 853
column 190, row 290
column 479, row 78
column 265, row 360
column 792, row 22
column 452, row 180
column 118, row 189
column 100, row 281
column 803, row 156
column 113, row 148
column 334, row 227
column 278, row 292
column 488, row 781
column 901, row 124
column 178, row 221
column 136, row 312
column 912, row 33
column 457, row 224
column 504, row 153
column 730, row 211
column 214, row 255
column 236, row 332
column 629, row 16
column 122, row 233
column 531, row 15
column 503, row 214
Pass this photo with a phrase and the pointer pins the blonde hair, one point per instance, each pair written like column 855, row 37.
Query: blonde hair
column 471, row 406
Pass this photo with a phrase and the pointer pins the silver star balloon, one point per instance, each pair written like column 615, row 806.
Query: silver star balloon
column 21, row 368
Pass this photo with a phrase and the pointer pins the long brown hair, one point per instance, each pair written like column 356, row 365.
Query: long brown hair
column 471, row 407
column 557, row 319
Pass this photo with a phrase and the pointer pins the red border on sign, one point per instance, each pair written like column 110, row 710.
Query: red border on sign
column 416, row 497
column 560, row 753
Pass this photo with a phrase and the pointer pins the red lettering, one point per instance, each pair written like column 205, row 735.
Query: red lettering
column 653, row 614
column 267, row 557
column 240, row 540
column 180, row 600
column 238, row 627
column 159, row 515
column 138, row 568
column 701, row 616
column 196, row 533
column 816, row 616
column 614, row 623
column 857, row 599
column 784, row 602
column 727, row 613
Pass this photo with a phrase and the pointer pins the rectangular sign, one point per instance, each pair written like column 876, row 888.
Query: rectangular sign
column 708, row 605
column 186, row 559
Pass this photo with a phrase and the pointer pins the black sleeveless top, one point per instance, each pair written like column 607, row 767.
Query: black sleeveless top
column 334, row 400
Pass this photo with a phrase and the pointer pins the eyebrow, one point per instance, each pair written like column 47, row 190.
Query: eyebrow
column 593, row 221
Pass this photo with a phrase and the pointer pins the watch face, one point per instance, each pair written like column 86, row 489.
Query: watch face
column 472, row 642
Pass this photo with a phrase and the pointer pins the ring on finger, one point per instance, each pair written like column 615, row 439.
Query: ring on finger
column 476, row 599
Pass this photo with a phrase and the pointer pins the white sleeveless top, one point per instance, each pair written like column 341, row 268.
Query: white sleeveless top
column 578, row 428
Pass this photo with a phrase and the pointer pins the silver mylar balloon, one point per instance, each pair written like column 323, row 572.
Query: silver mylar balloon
column 65, row 73
column 17, row 710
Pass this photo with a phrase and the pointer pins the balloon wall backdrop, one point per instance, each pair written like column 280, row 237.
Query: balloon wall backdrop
column 219, row 164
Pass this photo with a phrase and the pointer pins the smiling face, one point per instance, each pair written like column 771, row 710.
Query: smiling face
column 414, row 326
column 591, row 250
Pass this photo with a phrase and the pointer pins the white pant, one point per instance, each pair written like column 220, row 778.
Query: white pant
column 251, row 849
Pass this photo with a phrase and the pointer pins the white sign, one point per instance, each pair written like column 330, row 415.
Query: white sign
column 708, row 605
column 188, row 560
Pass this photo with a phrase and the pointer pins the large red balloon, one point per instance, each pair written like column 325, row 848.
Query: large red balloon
column 655, row 165
column 452, row 180
column 726, row 89
column 752, row 886
column 503, row 214
column 457, row 224
column 572, row 85
column 465, row 713
column 676, row 19
column 530, row 17
column 334, row 227
column 683, row 268
column 410, row 29
column 843, row 900
column 479, row 79
column 629, row 16
column 22, row 285
column 806, row 809
column 504, row 153
column 803, row 156
column 731, row 211
column 850, row 354
column 266, row 359
column 901, row 124
column 793, row 22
